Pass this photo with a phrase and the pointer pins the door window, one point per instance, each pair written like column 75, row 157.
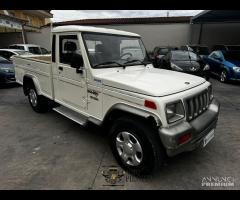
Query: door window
column 68, row 46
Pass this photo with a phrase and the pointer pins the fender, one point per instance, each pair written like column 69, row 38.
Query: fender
column 35, row 82
column 133, row 110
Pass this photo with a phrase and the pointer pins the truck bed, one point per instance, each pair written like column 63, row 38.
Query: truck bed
column 38, row 67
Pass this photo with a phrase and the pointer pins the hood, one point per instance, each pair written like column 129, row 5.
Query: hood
column 150, row 81
column 187, row 65
column 235, row 62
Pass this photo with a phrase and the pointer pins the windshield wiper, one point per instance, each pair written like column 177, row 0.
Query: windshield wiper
column 108, row 63
column 137, row 60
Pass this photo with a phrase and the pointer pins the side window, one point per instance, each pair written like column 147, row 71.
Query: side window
column 54, row 48
column 34, row 50
column 68, row 45
column 44, row 51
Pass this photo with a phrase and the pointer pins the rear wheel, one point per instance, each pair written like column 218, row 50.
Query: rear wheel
column 136, row 146
column 38, row 103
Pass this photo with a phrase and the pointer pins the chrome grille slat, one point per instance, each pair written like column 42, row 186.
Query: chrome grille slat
column 196, row 105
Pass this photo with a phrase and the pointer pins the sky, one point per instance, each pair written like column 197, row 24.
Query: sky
column 67, row 15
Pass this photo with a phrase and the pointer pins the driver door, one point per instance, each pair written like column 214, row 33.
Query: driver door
column 72, row 85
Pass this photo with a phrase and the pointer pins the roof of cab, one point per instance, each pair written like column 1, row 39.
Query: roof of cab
column 72, row 28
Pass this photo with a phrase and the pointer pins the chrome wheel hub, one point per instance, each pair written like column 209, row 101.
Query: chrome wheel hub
column 33, row 97
column 129, row 148
column 223, row 76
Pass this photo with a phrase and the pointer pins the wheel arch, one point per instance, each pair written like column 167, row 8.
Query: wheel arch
column 120, row 109
column 30, row 79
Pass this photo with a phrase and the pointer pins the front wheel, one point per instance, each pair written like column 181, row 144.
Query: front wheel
column 136, row 146
column 223, row 76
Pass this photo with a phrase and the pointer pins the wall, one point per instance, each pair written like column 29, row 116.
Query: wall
column 10, row 38
column 152, row 34
column 40, row 38
column 176, row 34
column 227, row 33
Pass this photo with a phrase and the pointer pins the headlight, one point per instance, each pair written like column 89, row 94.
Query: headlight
column 210, row 92
column 236, row 69
column 5, row 69
column 175, row 67
column 207, row 67
column 174, row 111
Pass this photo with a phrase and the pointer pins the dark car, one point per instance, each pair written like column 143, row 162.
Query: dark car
column 201, row 50
column 187, row 62
column 7, row 74
column 159, row 52
column 225, row 64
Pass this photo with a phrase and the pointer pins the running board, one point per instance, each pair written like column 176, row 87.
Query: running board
column 74, row 116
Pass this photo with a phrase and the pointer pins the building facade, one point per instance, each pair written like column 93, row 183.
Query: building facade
column 15, row 24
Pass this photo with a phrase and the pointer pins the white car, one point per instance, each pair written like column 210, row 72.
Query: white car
column 32, row 48
column 148, row 112
column 9, row 53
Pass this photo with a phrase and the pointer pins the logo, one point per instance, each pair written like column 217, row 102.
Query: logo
column 114, row 176
column 218, row 181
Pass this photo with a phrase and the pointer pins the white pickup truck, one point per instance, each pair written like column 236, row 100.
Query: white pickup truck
column 103, row 76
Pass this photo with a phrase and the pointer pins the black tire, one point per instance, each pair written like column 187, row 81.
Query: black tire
column 153, row 153
column 42, row 104
column 224, row 76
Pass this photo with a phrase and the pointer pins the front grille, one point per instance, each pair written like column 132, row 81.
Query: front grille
column 197, row 104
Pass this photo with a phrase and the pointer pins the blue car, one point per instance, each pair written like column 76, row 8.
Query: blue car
column 7, row 74
column 225, row 64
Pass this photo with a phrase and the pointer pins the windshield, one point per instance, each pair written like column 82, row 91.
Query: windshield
column 22, row 52
column 4, row 61
column 232, row 55
column 107, row 50
column 203, row 51
column 184, row 55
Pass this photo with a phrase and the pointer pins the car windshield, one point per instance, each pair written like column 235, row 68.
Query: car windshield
column 184, row 55
column 4, row 61
column 163, row 51
column 232, row 55
column 203, row 51
column 107, row 50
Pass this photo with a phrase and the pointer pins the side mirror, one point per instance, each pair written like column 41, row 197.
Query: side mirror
column 77, row 62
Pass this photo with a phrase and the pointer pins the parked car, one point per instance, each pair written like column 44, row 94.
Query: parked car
column 32, row 48
column 8, row 53
column 222, row 47
column 7, row 74
column 187, row 62
column 148, row 112
column 201, row 50
column 159, row 52
column 225, row 64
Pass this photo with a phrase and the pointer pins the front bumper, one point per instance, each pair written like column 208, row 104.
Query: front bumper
column 198, row 127
column 7, row 78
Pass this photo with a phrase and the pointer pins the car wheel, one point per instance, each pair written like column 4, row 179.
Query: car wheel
column 38, row 103
column 135, row 146
column 223, row 76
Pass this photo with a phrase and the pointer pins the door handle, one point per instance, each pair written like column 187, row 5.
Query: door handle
column 60, row 68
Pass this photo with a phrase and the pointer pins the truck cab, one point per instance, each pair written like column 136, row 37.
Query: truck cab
column 104, row 76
